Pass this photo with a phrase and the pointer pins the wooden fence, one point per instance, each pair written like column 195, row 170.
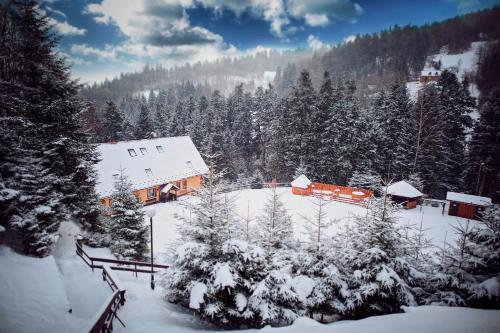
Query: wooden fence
column 103, row 320
column 352, row 195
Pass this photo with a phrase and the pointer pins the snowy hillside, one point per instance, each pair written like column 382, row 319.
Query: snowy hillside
column 462, row 64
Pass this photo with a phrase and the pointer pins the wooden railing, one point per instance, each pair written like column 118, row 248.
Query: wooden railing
column 132, row 265
column 353, row 195
column 103, row 321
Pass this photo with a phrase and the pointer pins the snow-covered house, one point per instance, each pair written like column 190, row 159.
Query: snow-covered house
column 429, row 74
column 404, row 193
column 466, row 205
column 301, row 185
column 157, row 168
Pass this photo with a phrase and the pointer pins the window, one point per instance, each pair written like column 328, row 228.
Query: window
column 151, row 193
column 189, row 164
column 184, row 184
column 149, row 172
column 132, row 152
column 144, row 151
column 160, row 149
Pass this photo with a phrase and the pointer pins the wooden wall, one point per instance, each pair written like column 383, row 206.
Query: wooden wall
column 185, row 186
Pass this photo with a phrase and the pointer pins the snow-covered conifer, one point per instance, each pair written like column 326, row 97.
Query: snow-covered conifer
column 129, row 233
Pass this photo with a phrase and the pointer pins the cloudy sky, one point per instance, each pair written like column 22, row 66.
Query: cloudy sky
column 102, row 38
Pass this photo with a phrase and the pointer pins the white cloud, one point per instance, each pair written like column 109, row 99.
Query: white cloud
column 73, row 60
column 315, row 43
column 153, row 22
column 350, row 38
column 466, row 4
column 55, row 11
column 64, row 28
column 318, row 12
column 85, row 50
column 317, row 20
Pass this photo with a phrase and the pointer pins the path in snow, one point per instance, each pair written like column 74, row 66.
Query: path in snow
column 85, row 289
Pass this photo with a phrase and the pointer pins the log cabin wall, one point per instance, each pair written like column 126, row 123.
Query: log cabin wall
column 151, row 195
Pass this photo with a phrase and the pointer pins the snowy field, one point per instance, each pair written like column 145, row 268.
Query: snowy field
column 36, row 294
column 250, row 203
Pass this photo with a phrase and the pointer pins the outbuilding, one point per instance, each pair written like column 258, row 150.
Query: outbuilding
column 466, row 205
column 404, row 193
column 301, row 185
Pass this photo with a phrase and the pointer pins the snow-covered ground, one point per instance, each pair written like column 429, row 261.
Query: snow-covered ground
column 168, row 216
column 36, row 294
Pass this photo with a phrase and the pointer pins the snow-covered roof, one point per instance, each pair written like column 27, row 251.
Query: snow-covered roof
column 468, row 198
column 148, row 162
column 430, row 72
column 301, row 182
column 403, row 189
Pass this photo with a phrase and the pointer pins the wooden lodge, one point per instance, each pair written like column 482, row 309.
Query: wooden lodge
column 466, row 205
column 159, row 169
column 404, row 194
column 358, row 196
column 429, row 75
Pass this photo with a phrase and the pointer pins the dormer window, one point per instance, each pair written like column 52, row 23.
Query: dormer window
column 160, row 149
column 144, row 151
column 132, row 152
column 149, row 172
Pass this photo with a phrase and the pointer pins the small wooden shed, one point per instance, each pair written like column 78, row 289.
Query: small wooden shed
column 466, row 205
column 301, row 185
column 404, row 193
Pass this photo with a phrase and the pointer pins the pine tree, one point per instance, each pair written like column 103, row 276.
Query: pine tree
column 483, row 165
column 144, row 127
column 214, row 273
column 111, row 123
column 455, row 105
column 242, row 141
column 275, row 225
column 382, row 277
column 129, row 233
column 367, row 179
column 277, row 145
column 39, row 95
column 332, row 142
column 318, row 166
column 301, row 104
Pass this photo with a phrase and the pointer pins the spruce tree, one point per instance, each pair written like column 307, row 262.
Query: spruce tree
column 455, row 105
column 382, row 278
column 111, row 123
column 301, row 104
column 39, row 95
column 127, row 228
column 483, row 165
column 318, row 164
column 144, row 128
column 213, row 272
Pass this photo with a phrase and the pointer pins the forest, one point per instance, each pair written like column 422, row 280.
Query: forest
column 328, row 126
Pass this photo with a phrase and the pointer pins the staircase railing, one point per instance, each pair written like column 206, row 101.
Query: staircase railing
column 103, row 320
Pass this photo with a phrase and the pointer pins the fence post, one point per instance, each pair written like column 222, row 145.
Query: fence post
column 79, row 244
